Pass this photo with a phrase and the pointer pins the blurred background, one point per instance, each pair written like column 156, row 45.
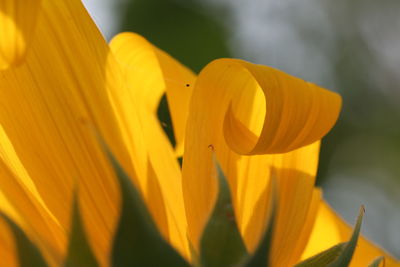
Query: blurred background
column 349, row 46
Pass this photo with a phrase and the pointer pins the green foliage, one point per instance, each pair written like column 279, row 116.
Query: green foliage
column 182, row 28
column 79, row 251
column 28, row 254
column 348, row 251
column 137, row 241
column 164, row 117
column 339, row 255
column 377, row 262
column 221, row 242
column 324, row 258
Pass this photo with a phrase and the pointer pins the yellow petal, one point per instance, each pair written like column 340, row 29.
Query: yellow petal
column 41, row 227
column 179, row 82
column 307, row 227
column 163, row 73
column 17, row 24
column 297, row 197
column 238, row 107
column 49, row 107
column 296, row 172
column 149, row 73
column 8, row 251
column 330, row 229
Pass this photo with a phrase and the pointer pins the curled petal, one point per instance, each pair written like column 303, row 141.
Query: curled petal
column 297, row 113
column 237, row 109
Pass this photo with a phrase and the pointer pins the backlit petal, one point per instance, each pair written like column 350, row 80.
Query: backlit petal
column 162, row 72
column 296, row 204
column 8, row 252
column 330, row 229
column 16, row 183
column 242, row 108
column 49, row 108
column 307, row 227
column 17, row 26
column 149, row 73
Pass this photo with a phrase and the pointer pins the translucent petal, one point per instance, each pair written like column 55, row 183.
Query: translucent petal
column 8, row 251
column 51, row 106
column 18, row 19
column 151, row 66
column 149, row 73
column 240, row 109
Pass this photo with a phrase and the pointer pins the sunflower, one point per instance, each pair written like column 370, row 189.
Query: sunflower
column 62, row 86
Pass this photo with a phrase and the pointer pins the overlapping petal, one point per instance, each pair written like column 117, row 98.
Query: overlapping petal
column 329, row 229
column 242, row 108
column 307, row 227
column 8, row 254
column 8, row 250
column 49, row 107
column 259, row 122
column 26, row 202
column 17, row 26
column 149, row 73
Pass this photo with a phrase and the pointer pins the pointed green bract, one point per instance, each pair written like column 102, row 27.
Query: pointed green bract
column 345, row 257
column 261, row 256
column 324, row 258
column 28, row 254
column 377, row 262
column 137, row 241
column 194, row 256
column 221, row 243
column 79, row 252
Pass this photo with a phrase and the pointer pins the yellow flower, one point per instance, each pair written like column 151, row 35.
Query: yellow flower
column 259, row 121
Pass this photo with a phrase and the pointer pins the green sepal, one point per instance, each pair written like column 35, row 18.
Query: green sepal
column 323, row 258
column 28, row 253
column 344, row 259
column 261, row 256
column 137, row 241
column 79, row 252
column 221, row 242
column 195, row 258
column 377, row 262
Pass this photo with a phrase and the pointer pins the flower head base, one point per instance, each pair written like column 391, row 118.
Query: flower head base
column 260, row 122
